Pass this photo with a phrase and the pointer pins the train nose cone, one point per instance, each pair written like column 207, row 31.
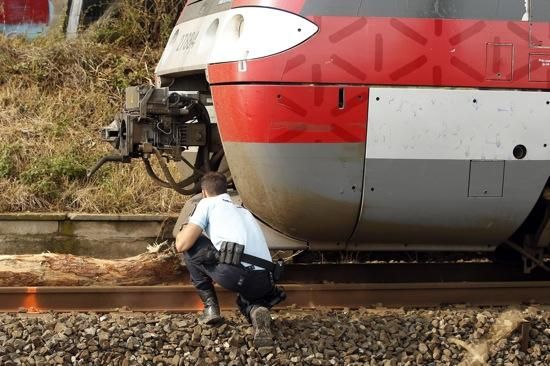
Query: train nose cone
column 238, row 34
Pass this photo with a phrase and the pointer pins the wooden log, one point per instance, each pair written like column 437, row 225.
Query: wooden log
column 153, row 268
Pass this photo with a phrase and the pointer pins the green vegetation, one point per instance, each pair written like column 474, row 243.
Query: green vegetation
column 55, row 95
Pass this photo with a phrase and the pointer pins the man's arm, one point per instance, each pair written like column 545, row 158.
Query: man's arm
column 187, row 237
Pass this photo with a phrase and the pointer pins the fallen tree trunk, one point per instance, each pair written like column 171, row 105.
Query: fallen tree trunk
column 152, row 268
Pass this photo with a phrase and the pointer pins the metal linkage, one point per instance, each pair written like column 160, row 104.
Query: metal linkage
column 165, row 123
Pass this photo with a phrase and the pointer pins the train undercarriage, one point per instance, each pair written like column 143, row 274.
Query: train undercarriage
column 164, row 125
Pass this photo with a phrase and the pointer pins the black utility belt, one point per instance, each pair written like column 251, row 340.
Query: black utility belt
column 233, row 253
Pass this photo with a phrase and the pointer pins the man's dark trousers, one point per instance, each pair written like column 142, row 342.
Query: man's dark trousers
column 255, row 287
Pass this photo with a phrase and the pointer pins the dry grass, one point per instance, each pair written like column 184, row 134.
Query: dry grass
column 56, row 95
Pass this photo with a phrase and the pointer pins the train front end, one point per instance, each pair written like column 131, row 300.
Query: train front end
column 378, row 125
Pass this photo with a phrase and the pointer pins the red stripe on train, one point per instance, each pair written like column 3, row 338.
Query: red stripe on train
column 404, row 51
column 15, row 12
column 291, row 114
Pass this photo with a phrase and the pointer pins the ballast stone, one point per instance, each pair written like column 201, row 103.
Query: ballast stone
column 320, row 337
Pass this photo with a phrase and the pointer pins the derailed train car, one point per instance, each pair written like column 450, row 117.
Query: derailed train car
column 361, row 124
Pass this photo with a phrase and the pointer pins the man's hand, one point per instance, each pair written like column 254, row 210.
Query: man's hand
column 187, row 237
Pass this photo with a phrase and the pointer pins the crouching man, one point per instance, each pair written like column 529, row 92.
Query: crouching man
column 234, row 255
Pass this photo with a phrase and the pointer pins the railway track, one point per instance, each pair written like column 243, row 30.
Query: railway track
column 310, row 286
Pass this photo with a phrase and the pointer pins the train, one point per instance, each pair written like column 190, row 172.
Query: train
column 359, row 125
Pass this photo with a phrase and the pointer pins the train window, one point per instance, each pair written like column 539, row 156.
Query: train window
column 445, row 9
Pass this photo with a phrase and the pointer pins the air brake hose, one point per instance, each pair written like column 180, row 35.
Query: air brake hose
column 184, row 183
column 151, row 173
column 203, row 163
column 169, row 177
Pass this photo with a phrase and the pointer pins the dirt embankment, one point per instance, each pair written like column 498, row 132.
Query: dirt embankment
column 55, row 95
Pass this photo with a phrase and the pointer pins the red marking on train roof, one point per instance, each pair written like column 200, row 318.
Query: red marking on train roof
column 15, row 12
column 348, row 67
column 319, row 92
column 292, row 105
column 343, row 133
column 438, row 27
column 409, row 68
column 316, row 73
column 535, row 66
column 522, row 72
column 437, row 75
column 348, row 30
column 378, row 52
column 294, row 62
column 518, row 31
column 467, row 69
column 467, row 33
column 408, row 31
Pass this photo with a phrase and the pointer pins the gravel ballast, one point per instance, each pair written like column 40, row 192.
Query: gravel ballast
column 387, row 337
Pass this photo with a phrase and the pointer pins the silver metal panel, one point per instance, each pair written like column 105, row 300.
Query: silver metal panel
column 422, row 188
column 486, row 179
column 425, row 203
column 306, row 191
column 457, row 124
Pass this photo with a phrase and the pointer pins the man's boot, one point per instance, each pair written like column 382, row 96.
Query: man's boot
column 261, row 321
column 211, row 314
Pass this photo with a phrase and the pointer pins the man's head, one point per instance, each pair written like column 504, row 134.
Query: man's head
column 213, row 184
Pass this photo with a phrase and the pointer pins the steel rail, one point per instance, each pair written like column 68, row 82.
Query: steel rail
column 403, row 273
column 184, row 298
column 409, row 272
